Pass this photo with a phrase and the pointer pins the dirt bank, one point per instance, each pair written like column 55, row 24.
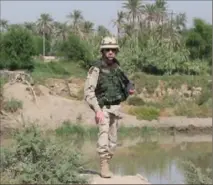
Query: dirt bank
column 50, row 111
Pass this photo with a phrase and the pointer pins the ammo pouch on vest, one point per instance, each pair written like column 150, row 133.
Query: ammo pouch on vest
column 105, row 102
column 126, row 85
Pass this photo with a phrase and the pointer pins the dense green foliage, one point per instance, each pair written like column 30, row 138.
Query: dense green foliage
column 74, row 49
column 199, row 40
column 36, row 159
column 151, row 40
column 17, row 49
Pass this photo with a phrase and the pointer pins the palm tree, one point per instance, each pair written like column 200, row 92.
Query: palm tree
column 30, row 26
column 102, row 31
column 3, row 24
column 134, row 9
column 128, row 29
column 45, row 27
column 180, row 21
column 161, row 4
column 61, row 30
column 150, row 15
column 76, row 17
column 119, row 22
column 161, row 9
column 88, row 27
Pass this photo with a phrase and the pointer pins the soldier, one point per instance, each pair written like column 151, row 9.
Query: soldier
column 105, row 88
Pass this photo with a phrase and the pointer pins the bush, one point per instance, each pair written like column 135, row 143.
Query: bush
column 35, row 159
column 2, row 81
column 12, row 105
column 75, row 49
column 205, row 95
column 135, row 101
column 17, row 49
column 194, row 174
column 38, row 42
column 191, row 109
column 145, row 112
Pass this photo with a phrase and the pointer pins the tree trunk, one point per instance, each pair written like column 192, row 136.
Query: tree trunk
column 43, row 42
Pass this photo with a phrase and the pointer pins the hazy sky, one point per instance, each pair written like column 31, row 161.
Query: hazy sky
column 99, row 12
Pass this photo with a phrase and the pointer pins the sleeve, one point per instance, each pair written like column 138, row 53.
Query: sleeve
column 89, row 88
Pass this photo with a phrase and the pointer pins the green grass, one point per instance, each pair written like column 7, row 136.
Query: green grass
column 82, row 132
column 150, row 82
column 76, row 131
column 12, row 105
column 145, row 112
column 60, row 69
column 191, row 109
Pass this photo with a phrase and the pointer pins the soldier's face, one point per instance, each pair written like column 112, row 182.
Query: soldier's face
column 110, row 53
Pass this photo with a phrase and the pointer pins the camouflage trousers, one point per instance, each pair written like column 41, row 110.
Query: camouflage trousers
column 107, row 136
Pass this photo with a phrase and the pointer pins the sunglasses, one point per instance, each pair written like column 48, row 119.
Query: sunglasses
column 110, row 49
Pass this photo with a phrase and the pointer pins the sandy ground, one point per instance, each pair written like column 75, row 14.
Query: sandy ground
column 52, row 110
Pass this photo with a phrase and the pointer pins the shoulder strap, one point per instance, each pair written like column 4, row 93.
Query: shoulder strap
column 116, row 61
column 96, row 63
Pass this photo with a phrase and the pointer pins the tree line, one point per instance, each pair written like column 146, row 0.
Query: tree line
column 153, row 40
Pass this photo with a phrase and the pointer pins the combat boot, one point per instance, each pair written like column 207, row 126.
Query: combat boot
column 105, row 172
column 109, row 157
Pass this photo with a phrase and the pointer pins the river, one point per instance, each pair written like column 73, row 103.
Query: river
column 160, row 160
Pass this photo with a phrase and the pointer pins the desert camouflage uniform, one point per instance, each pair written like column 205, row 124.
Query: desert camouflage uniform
column 107, row 137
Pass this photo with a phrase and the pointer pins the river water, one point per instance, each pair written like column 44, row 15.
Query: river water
column 160, row 161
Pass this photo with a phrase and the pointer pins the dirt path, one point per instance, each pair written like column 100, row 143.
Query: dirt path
column 52, row 110
column 138, row 179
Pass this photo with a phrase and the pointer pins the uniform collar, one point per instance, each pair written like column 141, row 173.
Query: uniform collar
column 105, row 64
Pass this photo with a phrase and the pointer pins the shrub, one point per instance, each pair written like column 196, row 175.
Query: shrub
column 2, row 81
column 145, row 112
column 38, row 42
column 75, row 49
column 135, row 101
column 35, row 159
column 191, row 109
column 12, row 105
column 195, row 175
column 205, row 95
column 17, row 49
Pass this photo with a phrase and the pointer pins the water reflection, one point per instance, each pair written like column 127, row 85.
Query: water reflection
column 161, row 163
column 197, row 163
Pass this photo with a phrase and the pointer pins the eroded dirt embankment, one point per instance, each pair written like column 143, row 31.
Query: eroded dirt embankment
column 50, row 111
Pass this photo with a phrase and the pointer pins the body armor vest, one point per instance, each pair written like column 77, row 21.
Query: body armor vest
column 111, row 87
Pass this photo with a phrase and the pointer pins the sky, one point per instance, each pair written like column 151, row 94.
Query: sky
column 99, row 12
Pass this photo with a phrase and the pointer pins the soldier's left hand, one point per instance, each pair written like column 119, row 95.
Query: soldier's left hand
column 131, row 91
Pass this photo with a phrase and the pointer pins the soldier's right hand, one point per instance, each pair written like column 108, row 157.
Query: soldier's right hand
column 99, row 116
